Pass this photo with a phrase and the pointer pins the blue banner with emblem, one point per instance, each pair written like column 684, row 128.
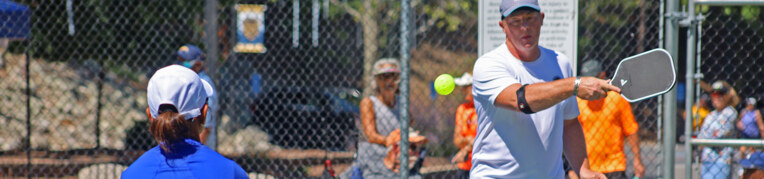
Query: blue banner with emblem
column 250, row 28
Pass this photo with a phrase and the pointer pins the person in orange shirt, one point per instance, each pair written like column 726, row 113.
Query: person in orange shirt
column 465, row 129
column 699, row 114
column 606, row 122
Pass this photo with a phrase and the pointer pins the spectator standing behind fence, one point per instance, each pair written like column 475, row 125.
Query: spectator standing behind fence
column 177, row 100
column 699, row 112
column 606, row 122
column 192, row 57
column 525, row 97
column 379, row 118
column 749, row 124
column 720, row 123
column 734, row 97
column 465, row 128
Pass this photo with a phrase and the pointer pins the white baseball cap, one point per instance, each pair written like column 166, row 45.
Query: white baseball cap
column 509, row 6
column 464, row 80
column 750, row 100
column 178, row 86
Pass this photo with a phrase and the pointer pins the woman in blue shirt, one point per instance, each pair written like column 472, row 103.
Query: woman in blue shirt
column 177, row 111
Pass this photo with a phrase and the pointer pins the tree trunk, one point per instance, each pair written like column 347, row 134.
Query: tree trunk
column 370, row 45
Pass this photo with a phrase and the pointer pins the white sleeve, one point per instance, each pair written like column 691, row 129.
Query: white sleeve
column 490, row 78
column 570, row 110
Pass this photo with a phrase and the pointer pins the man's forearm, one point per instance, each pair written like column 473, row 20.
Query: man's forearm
column 633, row 141
column 545, row 95
column 539, row 96
column 574, row 145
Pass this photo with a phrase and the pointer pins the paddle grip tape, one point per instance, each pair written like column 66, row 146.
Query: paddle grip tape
column 522, row 104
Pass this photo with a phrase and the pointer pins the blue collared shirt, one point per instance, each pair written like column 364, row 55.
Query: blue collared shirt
column 189, row 159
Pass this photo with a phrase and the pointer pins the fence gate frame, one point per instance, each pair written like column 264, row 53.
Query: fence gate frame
column 692, row 21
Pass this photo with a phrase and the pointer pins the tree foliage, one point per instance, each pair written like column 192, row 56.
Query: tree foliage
column 380, row 19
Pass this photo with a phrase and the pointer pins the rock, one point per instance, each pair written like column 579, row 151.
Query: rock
column 101, row 171
column 64, row 106
column 248, row 141
column 13, row 134
column 254, row 175
column 64, row 109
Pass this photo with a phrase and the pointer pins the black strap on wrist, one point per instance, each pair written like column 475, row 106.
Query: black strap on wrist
column 522, row 104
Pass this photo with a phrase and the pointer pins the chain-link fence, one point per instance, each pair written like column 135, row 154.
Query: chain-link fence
column 288, row 110
column 729, row 52
column 610, row 31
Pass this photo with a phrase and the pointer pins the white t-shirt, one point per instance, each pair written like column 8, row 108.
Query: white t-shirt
column 512, row 144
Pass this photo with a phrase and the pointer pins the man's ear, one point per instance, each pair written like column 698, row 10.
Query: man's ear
column 148, row 114
column 501, row 24
column 203, row 117
column 198, row 66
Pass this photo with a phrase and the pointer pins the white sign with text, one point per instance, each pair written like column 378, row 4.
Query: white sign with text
column 559, row 31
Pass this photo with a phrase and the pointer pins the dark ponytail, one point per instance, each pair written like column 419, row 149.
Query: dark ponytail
column 170, row 127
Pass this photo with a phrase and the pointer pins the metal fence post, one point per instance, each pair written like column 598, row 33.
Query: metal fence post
column 211, row 37
column 669, row 100
column 211, row 44
column 99, row 105
column 295, row 23
column 404, row 110
column 689, row 90
column 28, row 141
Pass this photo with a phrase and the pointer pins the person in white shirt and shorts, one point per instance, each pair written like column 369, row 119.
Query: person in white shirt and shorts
column 525, row 98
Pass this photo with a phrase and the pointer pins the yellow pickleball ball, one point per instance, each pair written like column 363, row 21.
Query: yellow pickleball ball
column 444, row 84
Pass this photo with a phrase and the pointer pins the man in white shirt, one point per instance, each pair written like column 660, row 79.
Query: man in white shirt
column 525, row 97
